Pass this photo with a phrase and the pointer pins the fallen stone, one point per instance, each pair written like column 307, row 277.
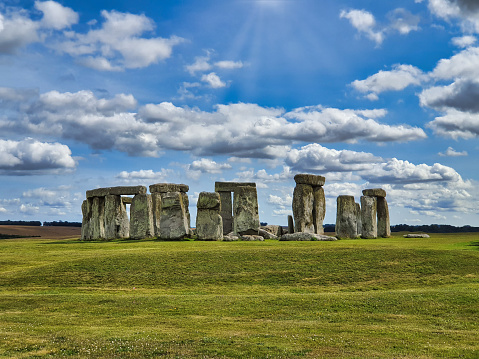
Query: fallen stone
column 375, row 192
column 312, row 180
column 346, row 217
column 303, row 201
column 119, row 191
column 368, row 217
column 168, row 187
column 251, row 238
column 305, row 236
column 416, row 235
column 230, row 237
column 266, row 234
column 231, row 186
column 209, row 200
column 273, row 229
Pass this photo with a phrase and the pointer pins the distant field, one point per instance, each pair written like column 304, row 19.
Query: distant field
column 382, row 298
column 43, row 232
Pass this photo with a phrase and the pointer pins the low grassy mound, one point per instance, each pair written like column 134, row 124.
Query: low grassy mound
column 397, row 297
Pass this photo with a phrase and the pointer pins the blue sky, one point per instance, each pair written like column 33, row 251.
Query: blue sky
column 366, row 93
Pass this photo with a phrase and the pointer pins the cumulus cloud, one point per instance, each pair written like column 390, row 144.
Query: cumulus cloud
column 400, row 77
column 456, row 124
column 55, row 15
column 467, row 11
column 31, row 157
column 461, row 65
column 144, row 175
column 464, row 41
column 213, row 80
column 29, row 209
column 403, row 21
column 57, row 197
column 365, row 23
column 226, row 64
column 462, row 95
column 451, row 152
column 16, row 32
column 206, row 165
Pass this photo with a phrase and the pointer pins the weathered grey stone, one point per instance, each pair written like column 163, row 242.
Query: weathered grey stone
column 226, row 211
column 156, row 212
column 312, row 180
column 374, row 192
column 290, row 224
column 384, row 226
column 209, row 200
column 266, row 234
column 346, row 218
column 319, row 209
column 368, row 217
column 231, row 186
column 416, row 235
column 303, row 200
column 86, row 230
column 173, row 217
column 358, row 218
column 98, row 218
column 305, row 236
column 186, row 205
column 251, row 237
column 209, row 225
column 121, row 190
column 230, row 237
column 168, row 187
column 141, row 217
column 273, row 229
column 127, row 200
column 117, row 224
column 245, row 210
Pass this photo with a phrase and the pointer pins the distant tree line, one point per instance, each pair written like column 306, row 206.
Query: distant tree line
column 433, row 228
column 62, row 224
column 20, row 223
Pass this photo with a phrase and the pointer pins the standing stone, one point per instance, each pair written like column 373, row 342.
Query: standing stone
column 116, row 218
column 209, row 224
column 303, row 200
column 156, row 211
column 141, row 217
column 368, row 217
column 98, row 218
column 226, row 211
column 186, row 205
column 384, row 226
column 245, row 210
column 358, row 218
column 346, row 218
column 319, row 209
column 86, row 208
column 173, row 217
column 290, row 224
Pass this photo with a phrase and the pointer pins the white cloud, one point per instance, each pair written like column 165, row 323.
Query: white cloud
column 456, row 124
column 30, row 156
column 461, row 95
column 400, row 77
column 365, row 23
column 29, row 209
column 403, row 21
column 463, row 64
column 226, row 64
column 466, row 11
column 144, row 175
column 464, row 41
column 3, row 210
column 55, row 15
column 201, row 64
column 206, row 165
column 213, row 80
column 17, row 32
column 98, row 63
column 451, row 152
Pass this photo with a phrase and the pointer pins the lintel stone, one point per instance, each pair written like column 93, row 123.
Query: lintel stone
column 118, row 191
column 312, row 180
column 232, row 186
column 168, row 187
column 374, row 192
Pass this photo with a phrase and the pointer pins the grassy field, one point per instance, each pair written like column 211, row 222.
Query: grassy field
column 384, row 298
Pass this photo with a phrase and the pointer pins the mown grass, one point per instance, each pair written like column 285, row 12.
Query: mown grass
column 385, row 298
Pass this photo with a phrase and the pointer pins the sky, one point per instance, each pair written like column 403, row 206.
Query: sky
column 368, row 94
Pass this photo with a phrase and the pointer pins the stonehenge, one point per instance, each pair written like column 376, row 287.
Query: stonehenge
column 229, row 213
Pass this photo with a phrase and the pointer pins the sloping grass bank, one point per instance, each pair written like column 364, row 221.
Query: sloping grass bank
column 396, row 298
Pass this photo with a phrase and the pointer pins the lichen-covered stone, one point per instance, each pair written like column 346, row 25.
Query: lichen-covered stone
column 368, row 217
column 358, row 218
column 290, row 224
column 119, row 191
column 231, row 186
column 173, row 217
column 98, row 218
column 384, row 226
column 209, row 200
column 416, row 235
column 319, row 209
column 374, row 192
column 245, row 210
column 141, row 217
column 117, row 224
column 156, row 212
column 303, row 200
column 251, row 237
column 273, row 229
column 226, row 211
column 346, row 217
column 312, row 180
column 86, row 230
column 305, row 236
column 168, row 187
column 209, row 225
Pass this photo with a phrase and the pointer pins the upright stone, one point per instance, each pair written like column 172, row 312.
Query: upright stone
column 226, row 211
column 141, row 217
column 116, row 219
column 319, row 209
column 156, row 211
column 186, row 205
column 358, row 218
column 346, row 218
column 86, row 230
column 384, row 225
column 173, row 218
column 368, row 217
column 290, row 224
column 245, row 211
column 209, row 224
column 303, row 200
column 98, row 218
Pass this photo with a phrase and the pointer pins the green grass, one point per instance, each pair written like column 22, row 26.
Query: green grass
column 384, row 298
